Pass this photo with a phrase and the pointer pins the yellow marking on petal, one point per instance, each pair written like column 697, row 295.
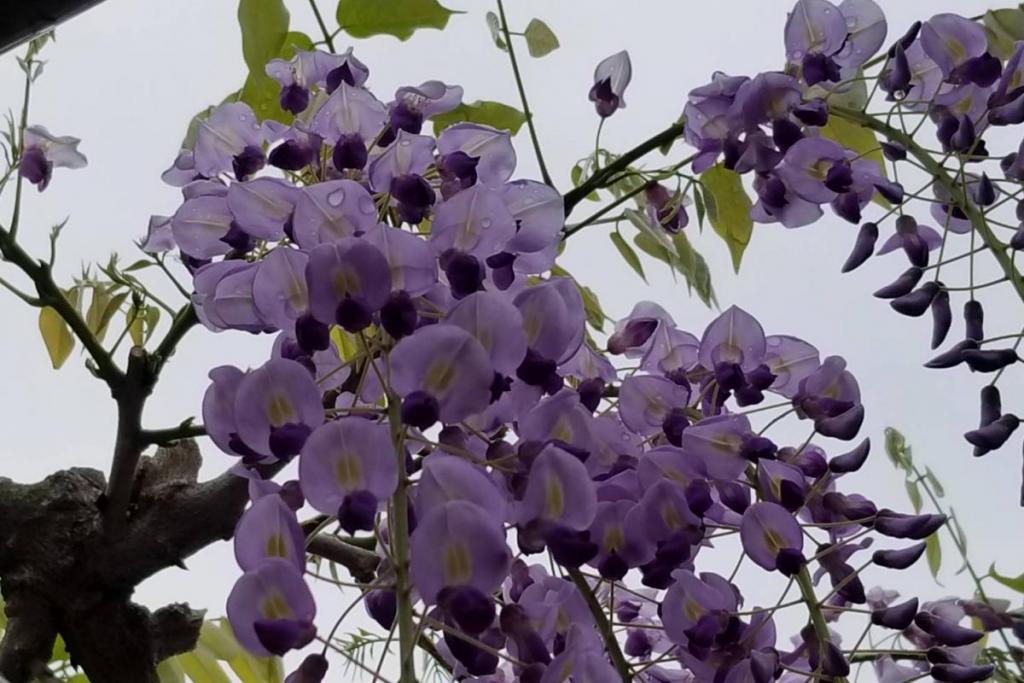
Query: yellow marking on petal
column 562, row 430
column 675, row 475
column 692, row 609
column 670, row 515
column 439, row 377
column 957, row 49
column 348, row 472
column 280, row 410
column 458, row 568
column 274, row 606
column 532, row 324
column 345, row 282
column 819, row 171
column 554, row 499
column 277, row 546
column 727, row 443
column 614, row 538
column 773, row 541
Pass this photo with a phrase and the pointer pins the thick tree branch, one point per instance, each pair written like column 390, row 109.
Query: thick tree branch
column 28, row 640
column 362, row 564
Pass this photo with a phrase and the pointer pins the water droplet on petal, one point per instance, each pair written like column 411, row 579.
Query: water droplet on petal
column 366, row 205
column 336, row 198
column 797, row 55
column 406, row 143
column 485, row 223
column 851, row 22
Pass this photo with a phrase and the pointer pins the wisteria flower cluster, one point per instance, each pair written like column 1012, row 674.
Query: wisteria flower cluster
column 443, row 400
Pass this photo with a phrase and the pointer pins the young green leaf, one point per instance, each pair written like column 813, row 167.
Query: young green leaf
column 698, row 203
column 728, row 208
column 914, row 493
column 628, row 255
column 56, row 336
column 540, row 39
column 895, row 446
column 1004, row 27
column 264, row 25
column 1012, row 582
column 934, row 483
column 398, row 18
column 494, row 114
column 933, row 552
column 494, row 26
column 170, row 671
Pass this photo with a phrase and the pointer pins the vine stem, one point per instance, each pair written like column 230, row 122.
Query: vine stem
column 545, row 176
column 803, row 582
column 328, row 38
column 942, row 176
column 399, row 534
column 603, row 625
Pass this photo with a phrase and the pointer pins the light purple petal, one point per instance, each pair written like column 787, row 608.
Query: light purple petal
column 279, row 286
column 813, row 27
column 349, row 111
column 269, row 529
column 330, row 211
column 229, row 129
column 273, row 590
column 496, row 324
column 733, row 337
column 279, row 393
column 493, row 148
column 539, row 212
column 474, row 220
column 199, row 224
column 261, row 207
column 408, row 154
column 344, row 456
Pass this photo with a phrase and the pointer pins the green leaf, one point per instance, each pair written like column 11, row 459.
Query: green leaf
column 853, row 96
column 141, row 264
column 1003, row 27
column 494, row 26
column 494, row 114
column 933, row 551
column 540, row 39
column 398, row 18
column 695, row 270
column 102, row 307
column 189, row 141
column 202, row 667
column 264, row 25
column 56, row 336
column 895, row 446
column 1013, row 583
column 914, row 493
column 170, row 671
column 934, row 483
column 698, row 203
column 728, row 208
column 345, row 343
column 628, row 255
column 263, row 94
column 859, row 138
column 959, row 530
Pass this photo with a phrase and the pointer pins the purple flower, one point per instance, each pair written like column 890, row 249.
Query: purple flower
column 348, row 281
column 42, row 151
column 791, row 360
column 314, row 67
column 496, row 324
column 539, row 212
column 553, row 318
column 262, row 207
column 951, row 40
column 269, row 529
column 279, row 287
column 448, row 477
column 690, row 599
column 349, row 111
column 412, row 264
column 201, row 224
column 343, row 461
column 771, row 535
column 331, row 211
column 734, row 337
column 271, row 609
column 558, row 491
column 458, row 544
column 611, row 77
column 475, row 221
column 718, row 442
column 646, row 400
column 223, row 297
column 277, row 406
column 182, row 171
column 413, row 104
column 229, row 140
column 491, row 148
column 159, row 237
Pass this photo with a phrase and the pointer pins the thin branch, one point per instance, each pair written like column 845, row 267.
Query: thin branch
column 603, row 625
column 545, row 176
column 328, row 38
column 162, row 437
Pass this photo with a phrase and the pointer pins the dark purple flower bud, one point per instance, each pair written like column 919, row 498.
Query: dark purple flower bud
column 895, row 79
column 476, row 661
column 414, row 195
column 983, row 71
column 974, row 318
column 897, row 617
column 404, row 117
column 811, row 461
column 35, row 167
column 899, row 525
column 818, row 68
column 849, row 507
column 353, row 315
column 764, row 665
column 634, row 334
column 287, row 440
column 339, row 75
column 891, row 191
column 464, row 271
column 946, row 632
column 906, row 40
column 965, row 136
column 839, row 177
column 294, row 98
column 499, row 386
column 590, row 391
column 1008, row 113
column 772, row 192
column 852, row 461
column 946, row 128
column 961, row 673
column 357, row 511
column 993, row 435
column 991, row 405
column 238, row 239
column 638, row 644
column 938, row 655
column 790, row 561
column 420, row 410
column 502, row 272
column 291, row 155
column 312, row 670
column 734, row 495
column 899, row 559
column 674, row 424
column 311, row 334
column 729, row 375
column 942, row 318
column 812, row 113
column 844, row 426
column 917, row 302
column 459, row 169
column 248, row 161
column 863, row 247
column 757, row 447
column 953, row 357
column 1017, row 240
column 893, row 151
column 989, row 360
column 350, row 152
column 471, row 609
column 984, row 191
column 536, row 370
column 901, row 285
column 382, row 606
column 785, row 133
column 279, row 636
column 398, row 316
column 990, row 617
column 847, row 207
column 291, row 494
column 698, row 496
column 626, row 611
column 569, row 547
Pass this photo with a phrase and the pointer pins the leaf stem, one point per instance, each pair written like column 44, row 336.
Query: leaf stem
column 545, row 176
column 328, row 37
column 603, row 625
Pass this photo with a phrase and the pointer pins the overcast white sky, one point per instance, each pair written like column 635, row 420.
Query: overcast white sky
column 127, row 76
